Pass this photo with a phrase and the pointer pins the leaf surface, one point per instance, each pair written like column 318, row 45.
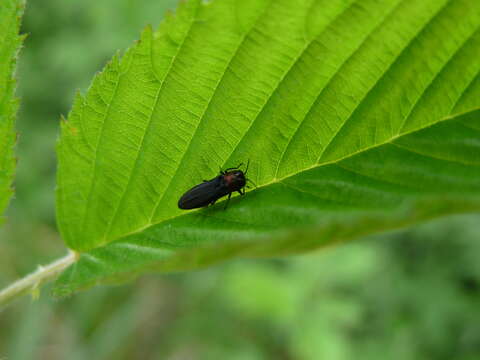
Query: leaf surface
column 356, row 116
column 10, row 41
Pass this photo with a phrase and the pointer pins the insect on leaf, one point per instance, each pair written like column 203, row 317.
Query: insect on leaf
column 357, row 117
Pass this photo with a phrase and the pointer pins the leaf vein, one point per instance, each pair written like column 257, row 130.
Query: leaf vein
column 382, row 76
column 235, row 53
column 149, row 122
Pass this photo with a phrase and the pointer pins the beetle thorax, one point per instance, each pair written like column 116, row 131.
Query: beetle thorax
column 235, row 180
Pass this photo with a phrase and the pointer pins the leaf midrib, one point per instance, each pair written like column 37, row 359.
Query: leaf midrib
column 317, row 165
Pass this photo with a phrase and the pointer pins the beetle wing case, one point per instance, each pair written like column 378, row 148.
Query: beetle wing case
column 202, row 194
column 206, row 193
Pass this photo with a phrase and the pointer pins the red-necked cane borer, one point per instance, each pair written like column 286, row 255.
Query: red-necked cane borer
column 206, row 193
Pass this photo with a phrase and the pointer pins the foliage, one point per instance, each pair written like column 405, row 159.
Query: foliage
column 346, row 130
column 10, row 12
column 408, row 295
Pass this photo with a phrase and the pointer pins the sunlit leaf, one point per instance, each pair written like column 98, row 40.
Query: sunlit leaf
column 10, row 12
column 356, row 116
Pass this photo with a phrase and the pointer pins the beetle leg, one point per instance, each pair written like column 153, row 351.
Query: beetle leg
column 241, row 192
column 233, row 168
column 228, row 200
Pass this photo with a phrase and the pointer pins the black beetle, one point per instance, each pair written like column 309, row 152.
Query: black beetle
column 206, row 193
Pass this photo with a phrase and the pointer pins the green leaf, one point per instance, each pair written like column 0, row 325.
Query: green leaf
column 356, row 116
column 10, row 41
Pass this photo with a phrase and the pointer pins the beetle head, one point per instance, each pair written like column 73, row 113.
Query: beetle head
column 235, row 180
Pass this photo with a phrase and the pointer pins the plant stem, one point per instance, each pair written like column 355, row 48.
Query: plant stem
column 34, row 280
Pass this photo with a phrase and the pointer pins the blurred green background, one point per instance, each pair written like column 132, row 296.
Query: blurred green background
column 412, row 294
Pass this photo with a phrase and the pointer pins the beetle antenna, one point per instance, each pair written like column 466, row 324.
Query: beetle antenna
column 248, row 163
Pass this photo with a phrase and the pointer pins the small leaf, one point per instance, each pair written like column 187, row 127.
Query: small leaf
column 356, row 116
column 10, row 41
